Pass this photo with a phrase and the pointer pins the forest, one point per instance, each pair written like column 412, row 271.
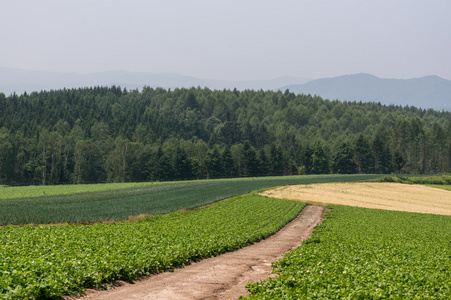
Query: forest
column 109, row 134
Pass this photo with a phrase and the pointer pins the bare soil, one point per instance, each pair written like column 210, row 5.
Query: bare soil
column 224, row 276
column 389, row 196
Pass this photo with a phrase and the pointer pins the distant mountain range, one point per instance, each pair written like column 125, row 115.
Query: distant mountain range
column 19, row 81
column 425, row 92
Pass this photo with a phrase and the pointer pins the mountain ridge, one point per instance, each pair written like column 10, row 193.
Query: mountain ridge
column 424, row 92
column 20, row 81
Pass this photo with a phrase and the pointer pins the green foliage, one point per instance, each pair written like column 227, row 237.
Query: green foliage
column 363, row 158
column 44, row 262
column 343, row 160
column 381, row 152
column 213, row 164
column 359, row 253
column 398, row 161
column 320, row 164
column 152, row 199
column 104, row 134
column 437, row 180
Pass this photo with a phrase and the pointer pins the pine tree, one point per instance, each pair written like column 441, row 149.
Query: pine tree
column 362, row 156
column 250, row 160
column 276, row 160
column 320, row 164
column 214, row 164
column 228, row 165
column 343, row 162
column 264, row 166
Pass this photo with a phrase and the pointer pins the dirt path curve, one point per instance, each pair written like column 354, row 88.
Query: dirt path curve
column 224, row 276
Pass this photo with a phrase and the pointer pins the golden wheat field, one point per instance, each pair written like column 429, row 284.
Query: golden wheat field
column 389, row 196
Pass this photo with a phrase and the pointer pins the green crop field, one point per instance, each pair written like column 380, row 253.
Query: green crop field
column 119, row 204
column 361, row 253
column 41, row 262
column 31, row 191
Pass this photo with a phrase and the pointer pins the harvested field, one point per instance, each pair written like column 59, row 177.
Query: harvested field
column 389, row 196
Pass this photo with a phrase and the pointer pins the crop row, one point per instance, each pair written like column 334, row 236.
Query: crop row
column 51, row 261
column 360, row 253
column 32, row 191
column 151, row 199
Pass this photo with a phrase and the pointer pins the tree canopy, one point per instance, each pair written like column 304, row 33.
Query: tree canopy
column 102, row 134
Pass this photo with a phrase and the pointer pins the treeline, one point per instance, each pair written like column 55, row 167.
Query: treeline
column 109, row 134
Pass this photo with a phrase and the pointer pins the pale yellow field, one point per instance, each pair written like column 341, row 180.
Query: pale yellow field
column 389, row 196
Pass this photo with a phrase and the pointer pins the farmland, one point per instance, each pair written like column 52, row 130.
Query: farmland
column 390, row 196
column 388, row 249
column 119, row 204
column 51, row 261
column 361, row 253
column 33, row 191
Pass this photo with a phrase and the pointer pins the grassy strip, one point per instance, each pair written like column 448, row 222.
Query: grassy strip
column 429, row 180
column 51, row 261
column 152, row 199
column 360, row 253
column 441, row 186
column 442, row 182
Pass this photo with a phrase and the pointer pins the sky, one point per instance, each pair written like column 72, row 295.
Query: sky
column 229, row 39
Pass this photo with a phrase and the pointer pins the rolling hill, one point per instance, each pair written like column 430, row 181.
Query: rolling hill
column 425, row 92
column 20, row 81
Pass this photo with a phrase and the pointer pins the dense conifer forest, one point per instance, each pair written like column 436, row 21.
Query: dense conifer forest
column 109, row 134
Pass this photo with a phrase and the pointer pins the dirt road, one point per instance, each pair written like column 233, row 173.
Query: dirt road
column 224, row 276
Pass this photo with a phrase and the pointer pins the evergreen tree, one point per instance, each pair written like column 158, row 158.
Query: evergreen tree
column 263, row 162
column 182, row 165
column 228, row 165
column 343, row 160
column 250, row 160
column 306, row 159
column 214, row 164
column 6, row 156
column 162, row 169
column 363, row 158
column 381, row 154
column 276, row 160
column 448, row 145
column 398, row 161
column 320, row 164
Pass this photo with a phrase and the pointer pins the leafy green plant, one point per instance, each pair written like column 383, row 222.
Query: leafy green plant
column 366, row 254
column 50, row 261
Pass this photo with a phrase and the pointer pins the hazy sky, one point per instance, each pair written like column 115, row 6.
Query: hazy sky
column 218, row 39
